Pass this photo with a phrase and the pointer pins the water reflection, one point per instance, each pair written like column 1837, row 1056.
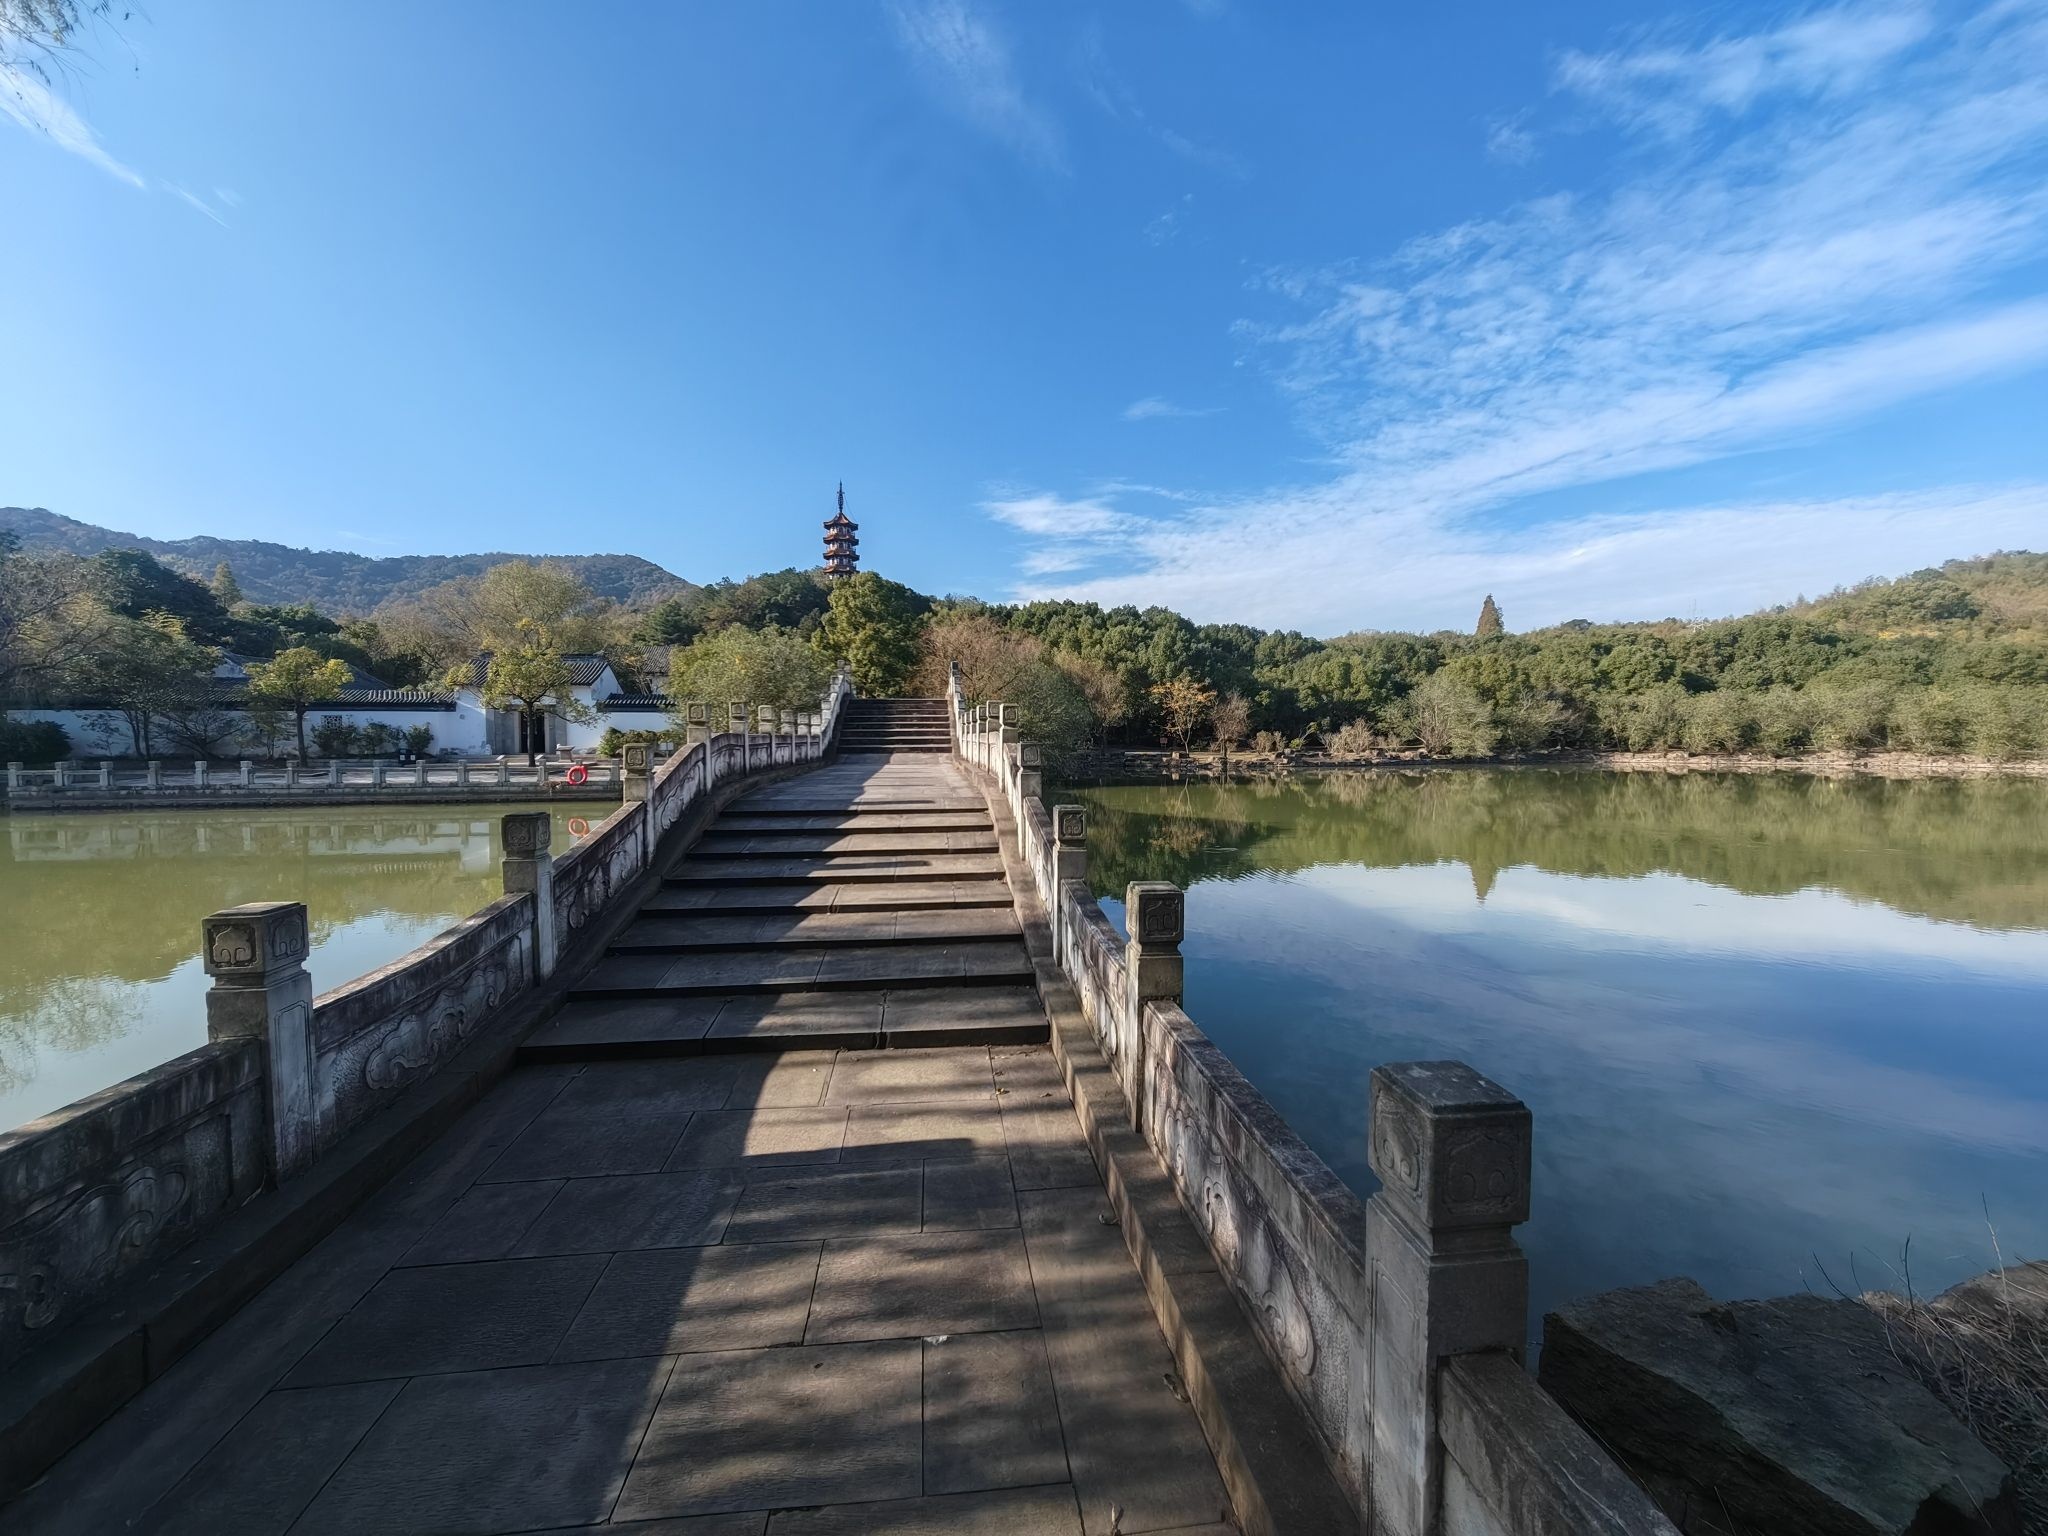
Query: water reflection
column 1769, row 1026
column 99, row 976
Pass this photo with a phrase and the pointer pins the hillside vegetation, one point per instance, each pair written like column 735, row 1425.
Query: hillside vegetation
column 331, row 580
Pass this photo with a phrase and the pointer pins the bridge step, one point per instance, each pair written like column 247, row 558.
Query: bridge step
column 810, row 967
column 854, row 821
column 718, row 843
column 715, row 932
column 852, row 1021
column 894, row 896
column 859, row 869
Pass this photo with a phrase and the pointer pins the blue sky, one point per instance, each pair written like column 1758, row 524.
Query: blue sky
column 1316, row 316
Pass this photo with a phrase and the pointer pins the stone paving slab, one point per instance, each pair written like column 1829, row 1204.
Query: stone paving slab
column 508, row 1450
column 559, row 1145
column 990, row 1417
column 757, row 1136
column 948, row 1128
column 798, row 1203
column 453, row 1317
column 891, row 1077
column 1023, row 1512
column 638, row 1210
column 688, row 1300
column 776, row 1428
column 921, row 1284
column 971, row 1194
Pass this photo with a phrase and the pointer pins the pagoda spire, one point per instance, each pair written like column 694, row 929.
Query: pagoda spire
column 842, row 546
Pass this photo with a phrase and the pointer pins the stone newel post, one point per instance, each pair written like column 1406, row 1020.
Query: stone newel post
column 14, row 776
column 529, row 869
column 256, row 955
column 1030, row 771
column 636, row 783
column 1069, row 862
column 1451, row 1149
column 1155, row 913
column 696, row 725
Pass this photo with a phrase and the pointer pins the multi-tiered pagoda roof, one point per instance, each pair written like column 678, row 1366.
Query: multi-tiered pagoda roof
column 842, row 544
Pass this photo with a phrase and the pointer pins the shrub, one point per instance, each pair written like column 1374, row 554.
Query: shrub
column 1449, row 718
column 377, row 740
column 335, row 737
column 38, row 742
column 1784, row 722
column 1651, row 721
column 1269, row 741
column 1931, row 720
column 419, row 740
column 1354, row 740
column 1720, row 721
column 2005, row 723
column 1852, row 719
column 614, row 739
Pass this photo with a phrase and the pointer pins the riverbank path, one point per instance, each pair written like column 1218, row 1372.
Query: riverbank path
column 719, row 1252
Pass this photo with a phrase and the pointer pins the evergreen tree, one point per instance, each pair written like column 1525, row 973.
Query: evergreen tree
column 225, row 588
column 1489, row 620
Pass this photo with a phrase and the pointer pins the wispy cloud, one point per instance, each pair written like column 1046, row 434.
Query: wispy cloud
column 194, row 200
column 966, row 61
column 1510, row 143
column 1831, row 217
column 31, row 103
column 1108, row 89
column 1153, row 408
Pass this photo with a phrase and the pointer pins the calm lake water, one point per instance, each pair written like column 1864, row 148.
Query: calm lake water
column 99, row 919
column 1778, row 1032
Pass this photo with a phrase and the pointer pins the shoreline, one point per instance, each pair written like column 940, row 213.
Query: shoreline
column 1169, row 767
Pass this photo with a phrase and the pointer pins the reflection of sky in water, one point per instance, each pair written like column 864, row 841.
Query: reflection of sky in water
column 83, row 1033
column 1741, row 1089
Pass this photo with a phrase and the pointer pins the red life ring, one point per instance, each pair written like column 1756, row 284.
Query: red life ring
column 578, row 827
column 577, row 773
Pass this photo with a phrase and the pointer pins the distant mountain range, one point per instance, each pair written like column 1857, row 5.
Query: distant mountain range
column 332, row 580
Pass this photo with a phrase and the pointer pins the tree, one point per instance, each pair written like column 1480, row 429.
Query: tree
column 1230, row 719
column 1000, row 665
column 298, row 679
column 148, row 670
column 226, row 590
column 135, row 584
column 456, row 620
column 1183, row 705
column 52, row 618
column 532, row 676
column 1449, row 718
column 1489, row 620
column 768, row 666
column 874, row 625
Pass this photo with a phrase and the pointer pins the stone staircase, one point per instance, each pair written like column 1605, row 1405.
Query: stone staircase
column 896, row 725
column 862, row 906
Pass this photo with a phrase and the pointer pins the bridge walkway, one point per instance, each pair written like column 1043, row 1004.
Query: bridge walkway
column 713, row 1257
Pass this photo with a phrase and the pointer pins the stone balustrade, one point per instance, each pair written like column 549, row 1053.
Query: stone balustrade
column 73, row 783
column 1396, row 1323
column 96, row 1194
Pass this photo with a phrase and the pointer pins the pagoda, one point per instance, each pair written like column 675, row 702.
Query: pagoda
column 842, row 552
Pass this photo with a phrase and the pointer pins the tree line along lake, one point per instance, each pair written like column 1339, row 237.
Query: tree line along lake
column 1778, row 1031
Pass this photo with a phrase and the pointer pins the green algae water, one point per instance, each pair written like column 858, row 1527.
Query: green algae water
column 99, row 919
column 1778, row 1032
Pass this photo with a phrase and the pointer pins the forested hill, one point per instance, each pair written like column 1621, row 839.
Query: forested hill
column 331, row 580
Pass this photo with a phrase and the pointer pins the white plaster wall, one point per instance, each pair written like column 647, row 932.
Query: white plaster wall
column 97, row 733
column 579, row 736
column 94, row 733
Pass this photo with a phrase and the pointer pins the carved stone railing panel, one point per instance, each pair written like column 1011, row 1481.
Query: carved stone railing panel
column 109, row 1185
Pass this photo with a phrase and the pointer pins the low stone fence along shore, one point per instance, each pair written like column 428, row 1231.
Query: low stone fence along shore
column 1397, row 1324
column 111, row 1194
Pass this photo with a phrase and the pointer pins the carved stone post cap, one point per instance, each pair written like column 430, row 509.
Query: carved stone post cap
column 1006, row 713
column 634, row 756
column 1155, row 911
column 250, row 942
column 1450, row 1145
column 697, row 714
column 1070, row 823
column 526, row 834
column 1030, row 755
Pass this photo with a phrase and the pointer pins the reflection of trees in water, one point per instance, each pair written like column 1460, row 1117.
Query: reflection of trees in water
column 120, row 897
column 75, row 1013
column 1963, row 850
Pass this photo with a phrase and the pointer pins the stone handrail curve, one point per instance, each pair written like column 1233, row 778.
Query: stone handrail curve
column 1396, row 1323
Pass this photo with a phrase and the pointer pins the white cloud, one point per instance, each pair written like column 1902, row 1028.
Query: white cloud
column 1858, row 241
column 968, row 63
column 1153, row 408
column 1510, row 143
column 32, row 104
